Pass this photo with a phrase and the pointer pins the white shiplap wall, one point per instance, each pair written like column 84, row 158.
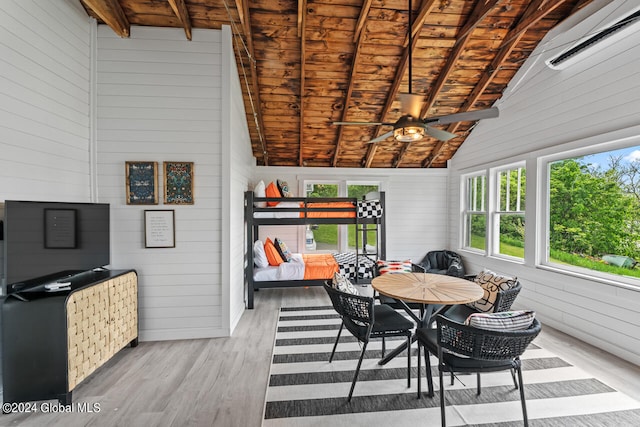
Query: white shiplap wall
column 44, row 101
column 416, row 202
column 238, row 163
column 546, row 111
column 159, row 99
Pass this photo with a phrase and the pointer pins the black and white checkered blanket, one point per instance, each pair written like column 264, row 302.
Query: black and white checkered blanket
column 369, row 209
column 354, row 267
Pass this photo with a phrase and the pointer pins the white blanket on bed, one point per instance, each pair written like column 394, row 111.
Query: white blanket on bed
column 292, row 270
column 280, row 214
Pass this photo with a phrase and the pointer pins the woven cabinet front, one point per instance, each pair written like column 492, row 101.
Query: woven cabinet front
column 101, row 320
column 123, row 311
column 87, row 332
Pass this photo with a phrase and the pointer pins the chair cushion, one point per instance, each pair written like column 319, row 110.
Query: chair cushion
column 385, row 267
column 491, row 283
column 459, row 312
column 502, row 321
column 389, row 320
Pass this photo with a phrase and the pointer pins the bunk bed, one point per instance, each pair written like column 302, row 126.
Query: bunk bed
column 366, row 215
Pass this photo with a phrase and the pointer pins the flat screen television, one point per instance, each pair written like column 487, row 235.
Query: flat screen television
column 52, row 240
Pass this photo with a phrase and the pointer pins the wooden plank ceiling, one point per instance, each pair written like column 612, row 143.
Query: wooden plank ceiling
column 305, row 64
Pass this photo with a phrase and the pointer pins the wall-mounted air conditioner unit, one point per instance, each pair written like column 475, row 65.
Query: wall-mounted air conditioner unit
column 599, row 39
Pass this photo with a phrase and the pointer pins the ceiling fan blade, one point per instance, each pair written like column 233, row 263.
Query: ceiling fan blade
column 440, row 134
column 467, row 116
column 411, row 103
column 381, row 137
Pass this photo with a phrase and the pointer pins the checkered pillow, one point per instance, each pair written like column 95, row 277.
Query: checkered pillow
column 369, row 209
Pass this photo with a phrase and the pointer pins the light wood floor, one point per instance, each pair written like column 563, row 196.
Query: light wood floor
column 222, row 381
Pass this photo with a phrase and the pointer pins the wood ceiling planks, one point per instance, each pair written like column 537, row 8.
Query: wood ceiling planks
column 304, row 64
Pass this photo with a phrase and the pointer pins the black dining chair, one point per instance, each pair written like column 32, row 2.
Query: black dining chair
column 503, row 302
column 467, row 349
column 366, row 320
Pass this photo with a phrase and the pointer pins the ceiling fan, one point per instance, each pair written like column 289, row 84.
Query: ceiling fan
column 410, row 127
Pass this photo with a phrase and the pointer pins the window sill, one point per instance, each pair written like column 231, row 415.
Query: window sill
column 625, row 282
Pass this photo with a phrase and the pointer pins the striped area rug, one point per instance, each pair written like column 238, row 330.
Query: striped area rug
column 306, row 390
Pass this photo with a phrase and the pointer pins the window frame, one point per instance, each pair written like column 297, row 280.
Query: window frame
column 543, row 233
column 467, row 211
column 496, row 210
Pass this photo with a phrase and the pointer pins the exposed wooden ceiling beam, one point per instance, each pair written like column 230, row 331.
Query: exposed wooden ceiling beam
column 241, row 6
column 302, row 8
column 112, row 14
column 477, row 15
column 366, row 6
column 256, row 103
column 534, row 13
column 180, row 9
column 354, row 61
column 425, row 8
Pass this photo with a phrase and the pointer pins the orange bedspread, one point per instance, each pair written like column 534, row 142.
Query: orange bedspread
column 333, row 214
column 319, row 266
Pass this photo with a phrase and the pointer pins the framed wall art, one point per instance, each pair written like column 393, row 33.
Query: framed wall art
column 178, row 183
column 142, row 183
column 159, row 229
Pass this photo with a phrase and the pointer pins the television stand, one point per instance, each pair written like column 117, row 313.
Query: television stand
column 54, row 340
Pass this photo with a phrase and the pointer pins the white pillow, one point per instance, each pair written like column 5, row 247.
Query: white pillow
column 260, row 191
column 259, row 255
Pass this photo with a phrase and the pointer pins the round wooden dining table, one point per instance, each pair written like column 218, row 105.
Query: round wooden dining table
column 431, row 290
column 427, row 288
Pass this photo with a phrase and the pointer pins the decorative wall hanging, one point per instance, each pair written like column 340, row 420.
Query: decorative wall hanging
column 159, row 229
column 142, row 183
column 178, row 183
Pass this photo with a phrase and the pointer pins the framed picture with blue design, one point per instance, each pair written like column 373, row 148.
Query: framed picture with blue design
column 178, row 183
column 142, row 183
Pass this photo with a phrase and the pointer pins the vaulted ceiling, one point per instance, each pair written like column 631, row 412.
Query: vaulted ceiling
column 306, row 64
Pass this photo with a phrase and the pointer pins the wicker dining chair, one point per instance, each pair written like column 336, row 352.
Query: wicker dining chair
column 466, row 349
column 366, row 320
column 504, row 300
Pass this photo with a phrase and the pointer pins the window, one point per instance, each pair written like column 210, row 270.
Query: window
column 475, row 215
column 509, row 215
column 333, row 237
column 594, row 212
column 325, row 236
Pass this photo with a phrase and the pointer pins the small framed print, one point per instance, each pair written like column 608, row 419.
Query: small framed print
column 159, row 229
column 60, row 229
column 142, row 183
column 178, row 183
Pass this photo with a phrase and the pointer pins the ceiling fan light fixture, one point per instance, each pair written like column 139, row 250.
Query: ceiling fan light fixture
column 409, row 133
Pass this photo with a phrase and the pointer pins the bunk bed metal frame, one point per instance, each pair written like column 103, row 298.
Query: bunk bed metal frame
column 306, row 208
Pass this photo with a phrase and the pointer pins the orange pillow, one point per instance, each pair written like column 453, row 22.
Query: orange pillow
column 272, row 191
column 273, row 256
